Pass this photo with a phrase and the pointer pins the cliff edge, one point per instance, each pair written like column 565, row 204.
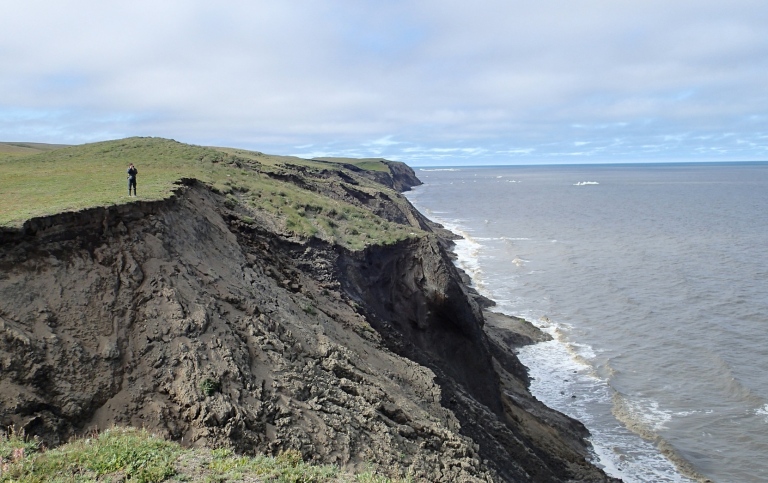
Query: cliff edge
column 206, row 320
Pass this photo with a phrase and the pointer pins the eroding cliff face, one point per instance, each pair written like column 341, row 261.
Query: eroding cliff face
column 178, row 317
column 413, row 295
column 124, row 323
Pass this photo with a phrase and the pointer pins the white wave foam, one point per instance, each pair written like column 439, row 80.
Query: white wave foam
column 648, row 413
column 498, row 238
column 585, row 183
column 467, row 250
column 563, row 379
column 763, row 411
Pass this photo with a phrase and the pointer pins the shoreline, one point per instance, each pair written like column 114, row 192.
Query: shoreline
column 603, row 456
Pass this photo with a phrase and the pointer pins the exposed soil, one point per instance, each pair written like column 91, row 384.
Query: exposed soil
column 178, row 317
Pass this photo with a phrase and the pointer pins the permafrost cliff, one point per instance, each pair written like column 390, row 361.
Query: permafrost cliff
column 188, row 318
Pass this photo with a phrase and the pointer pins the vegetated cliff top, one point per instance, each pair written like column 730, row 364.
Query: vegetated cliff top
column 335, row 200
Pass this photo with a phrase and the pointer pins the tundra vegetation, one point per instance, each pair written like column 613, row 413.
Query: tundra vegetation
column 121, row 454
column 288, row 189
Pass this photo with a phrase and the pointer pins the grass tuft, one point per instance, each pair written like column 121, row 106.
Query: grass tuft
column 127, row 454
column 209, row 386
column 134, row 454
column 287, row 467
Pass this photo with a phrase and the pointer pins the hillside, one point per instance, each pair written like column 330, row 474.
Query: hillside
column 16, row 149
column 263, row 304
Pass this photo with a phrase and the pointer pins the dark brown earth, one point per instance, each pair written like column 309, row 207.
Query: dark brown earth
column 177, row 316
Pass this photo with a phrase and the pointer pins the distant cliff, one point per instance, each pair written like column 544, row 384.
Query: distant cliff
column 201, row 318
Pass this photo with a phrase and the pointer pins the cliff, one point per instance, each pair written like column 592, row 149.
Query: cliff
column 203, row 319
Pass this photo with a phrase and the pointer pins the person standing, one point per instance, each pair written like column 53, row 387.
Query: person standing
column 132, row 172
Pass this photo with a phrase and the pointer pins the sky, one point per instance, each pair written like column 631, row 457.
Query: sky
column 432, row 82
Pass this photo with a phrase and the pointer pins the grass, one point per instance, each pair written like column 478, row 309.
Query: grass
column 134, row 454
column 224, row 465
column 77, row 177
column 131, row 454
column 209, row 387
column 371, row 164
column 11, row 150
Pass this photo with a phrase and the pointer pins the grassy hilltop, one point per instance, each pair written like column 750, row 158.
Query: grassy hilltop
column 289, row 190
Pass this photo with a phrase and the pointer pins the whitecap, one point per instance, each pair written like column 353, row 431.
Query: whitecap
column 762, row 411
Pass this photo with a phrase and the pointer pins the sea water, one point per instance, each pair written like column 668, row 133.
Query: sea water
column 653, row 282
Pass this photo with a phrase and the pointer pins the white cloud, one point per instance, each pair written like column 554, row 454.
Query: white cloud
column 381, row 78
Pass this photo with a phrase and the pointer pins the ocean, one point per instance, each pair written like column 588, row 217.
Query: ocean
column 652, row 280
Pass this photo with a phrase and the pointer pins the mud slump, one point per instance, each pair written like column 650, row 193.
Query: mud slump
column 179, row 317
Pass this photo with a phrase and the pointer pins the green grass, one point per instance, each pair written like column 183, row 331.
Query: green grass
column 287, row 467
column 26, row 149
column 77, row 177
column 91, row 175
column 209, row 387
column 308, row 213
column 371, row 164
column 136, row 455
column 9, row 151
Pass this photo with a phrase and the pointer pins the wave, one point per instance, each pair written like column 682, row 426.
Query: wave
column 677, row 337
column 762, row 411
column 467, row 250
column 646, row 418
column 565, row 377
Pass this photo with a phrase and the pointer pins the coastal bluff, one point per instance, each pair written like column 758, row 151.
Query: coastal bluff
column 210, row 322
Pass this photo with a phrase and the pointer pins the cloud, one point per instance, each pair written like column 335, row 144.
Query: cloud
column 486, row 82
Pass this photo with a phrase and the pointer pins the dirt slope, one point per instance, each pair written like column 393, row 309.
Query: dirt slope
column 180, row 317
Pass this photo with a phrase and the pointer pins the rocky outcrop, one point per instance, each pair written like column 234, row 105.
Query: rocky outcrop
column 400, row 176
column 403, row 177
column 179, row 317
